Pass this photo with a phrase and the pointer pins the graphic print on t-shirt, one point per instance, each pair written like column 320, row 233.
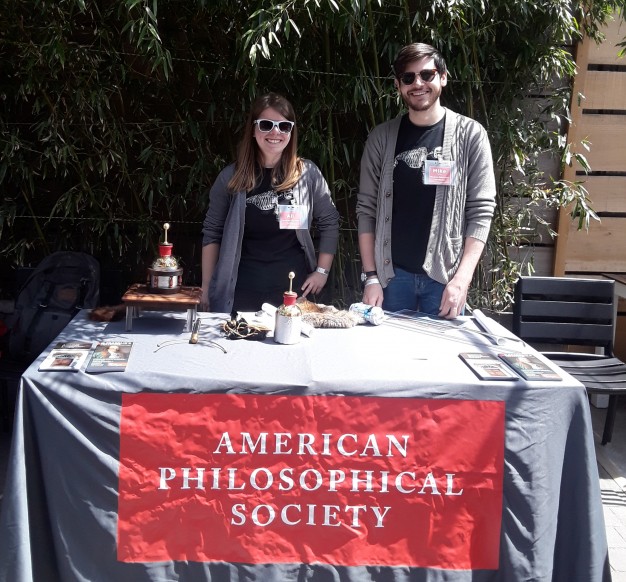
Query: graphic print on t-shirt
column 264, row 201
column 412, row 158
column 270, row 200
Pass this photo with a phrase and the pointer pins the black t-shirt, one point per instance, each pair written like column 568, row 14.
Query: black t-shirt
column 268, row 253
column 413, row 201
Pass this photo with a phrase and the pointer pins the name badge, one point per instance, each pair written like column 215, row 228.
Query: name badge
column 293, row 216
column 439, row 172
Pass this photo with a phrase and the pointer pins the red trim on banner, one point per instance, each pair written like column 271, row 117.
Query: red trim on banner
column 327, row 479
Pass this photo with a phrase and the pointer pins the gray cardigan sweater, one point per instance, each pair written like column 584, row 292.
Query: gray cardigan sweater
column 224, row 224
column 461, row 210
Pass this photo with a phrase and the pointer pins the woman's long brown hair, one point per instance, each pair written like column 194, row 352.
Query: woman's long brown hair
column 247, row 165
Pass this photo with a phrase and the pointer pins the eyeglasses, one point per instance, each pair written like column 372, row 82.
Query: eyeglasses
column 426, row 75
column 267, row 125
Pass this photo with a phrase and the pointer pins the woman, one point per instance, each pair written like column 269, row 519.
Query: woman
column 261, row 208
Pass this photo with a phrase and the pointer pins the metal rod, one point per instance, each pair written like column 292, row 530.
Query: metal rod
column 207, row 343
column 426, row 323
column 194, row 331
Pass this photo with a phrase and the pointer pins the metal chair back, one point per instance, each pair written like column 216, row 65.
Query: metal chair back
column 565, row 310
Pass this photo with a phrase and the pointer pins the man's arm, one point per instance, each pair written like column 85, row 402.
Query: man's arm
column 372, row 292
column 455, row 293
column 479, row 208
column 367, row 208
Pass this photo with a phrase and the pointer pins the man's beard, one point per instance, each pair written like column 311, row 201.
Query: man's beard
column 424, row 105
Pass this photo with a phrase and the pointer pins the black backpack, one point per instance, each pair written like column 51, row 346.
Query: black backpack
column 61, row 285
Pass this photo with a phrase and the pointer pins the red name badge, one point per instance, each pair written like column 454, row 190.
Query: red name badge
column 320, row 479
column 293, row 216
column 439, row 172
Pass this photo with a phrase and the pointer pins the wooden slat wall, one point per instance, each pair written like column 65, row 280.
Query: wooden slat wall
column 606, row 133
column 536, row 256
column 600, row 117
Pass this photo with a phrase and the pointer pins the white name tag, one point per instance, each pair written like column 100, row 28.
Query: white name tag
column 439, row 172
column 293, row 216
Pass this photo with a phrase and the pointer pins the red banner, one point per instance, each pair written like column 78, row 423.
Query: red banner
column 326, row 479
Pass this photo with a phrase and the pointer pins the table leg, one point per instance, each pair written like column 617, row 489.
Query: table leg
column 129, row 317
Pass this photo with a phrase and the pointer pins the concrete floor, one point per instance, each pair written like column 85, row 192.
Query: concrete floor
column 612, row 473
column 612, row 470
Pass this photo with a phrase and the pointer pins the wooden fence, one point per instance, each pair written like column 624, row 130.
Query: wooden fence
column 599, row 116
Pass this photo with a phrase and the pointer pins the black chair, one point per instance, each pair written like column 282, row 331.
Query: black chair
column 574, row 312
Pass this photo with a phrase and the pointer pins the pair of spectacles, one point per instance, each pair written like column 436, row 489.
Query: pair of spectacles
column 426, row 75
column 267, row 125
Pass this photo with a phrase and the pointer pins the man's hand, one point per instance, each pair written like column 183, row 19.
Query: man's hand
column 453, row 300
column 455, row 294
column 373, row 294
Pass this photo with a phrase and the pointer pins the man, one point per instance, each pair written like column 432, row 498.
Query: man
column 426, row 196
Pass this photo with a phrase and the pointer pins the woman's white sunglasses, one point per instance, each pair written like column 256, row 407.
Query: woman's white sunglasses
column 267, row 125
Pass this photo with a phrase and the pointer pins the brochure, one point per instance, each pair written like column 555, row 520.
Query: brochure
column 109, row 357
column 487, row 366
column 529, row 366
column 66, row 356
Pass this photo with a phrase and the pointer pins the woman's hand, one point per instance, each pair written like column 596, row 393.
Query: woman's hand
column 314, row 283
column 204, row 300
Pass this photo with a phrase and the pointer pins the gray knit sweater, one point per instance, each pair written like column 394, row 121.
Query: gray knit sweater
column 461, row 210
column 224, row 224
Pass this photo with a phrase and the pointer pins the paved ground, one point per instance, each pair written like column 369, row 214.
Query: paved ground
column 611, row 468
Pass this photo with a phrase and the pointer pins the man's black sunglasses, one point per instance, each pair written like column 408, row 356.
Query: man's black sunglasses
column 426, row 75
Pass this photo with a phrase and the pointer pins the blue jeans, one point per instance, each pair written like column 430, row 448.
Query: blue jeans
column 413, row 292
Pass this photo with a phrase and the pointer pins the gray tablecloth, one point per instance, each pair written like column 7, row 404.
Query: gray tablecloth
column 59, row 518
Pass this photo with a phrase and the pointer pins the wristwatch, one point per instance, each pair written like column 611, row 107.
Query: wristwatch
column 367, row 274
column 322, row 270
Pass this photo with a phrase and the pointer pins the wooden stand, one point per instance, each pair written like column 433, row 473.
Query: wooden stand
column 139, row 297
